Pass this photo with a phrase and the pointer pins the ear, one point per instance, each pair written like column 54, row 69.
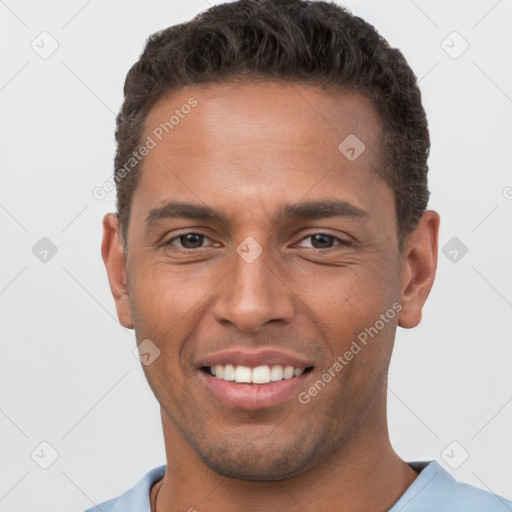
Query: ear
column 419, row 264
column 113, row 257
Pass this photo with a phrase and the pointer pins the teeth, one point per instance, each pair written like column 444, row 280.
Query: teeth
column 276, row 373
column 243, row 374
column 259, row 375
column 229, row 372
column 288, row 372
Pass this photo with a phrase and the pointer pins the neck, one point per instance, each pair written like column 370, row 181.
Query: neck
column 366, row 474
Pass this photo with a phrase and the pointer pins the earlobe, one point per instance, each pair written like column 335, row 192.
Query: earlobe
column 115, row 264
column 419, row 264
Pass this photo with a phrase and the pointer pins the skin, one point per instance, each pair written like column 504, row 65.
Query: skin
column 246, row 149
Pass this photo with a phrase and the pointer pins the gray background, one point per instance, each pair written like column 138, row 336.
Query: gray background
column 68, row 374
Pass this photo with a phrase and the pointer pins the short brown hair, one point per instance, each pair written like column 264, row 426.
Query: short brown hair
column 312, row 42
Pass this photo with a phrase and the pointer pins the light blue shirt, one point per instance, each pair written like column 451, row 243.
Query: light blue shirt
column 434, row 490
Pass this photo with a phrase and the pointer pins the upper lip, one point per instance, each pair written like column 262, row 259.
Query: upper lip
column 252, row 358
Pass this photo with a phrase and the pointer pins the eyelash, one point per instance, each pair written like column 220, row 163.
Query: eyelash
column 325, row 233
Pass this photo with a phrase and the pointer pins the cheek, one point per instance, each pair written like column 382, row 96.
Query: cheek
column 165, row 295
column 349, row 306
column 161, row 309
column 351, row 297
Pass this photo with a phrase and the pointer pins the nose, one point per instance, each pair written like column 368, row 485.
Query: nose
column 253, row 294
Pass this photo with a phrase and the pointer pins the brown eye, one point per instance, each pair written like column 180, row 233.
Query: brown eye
column 188, row 240
column 324, row 240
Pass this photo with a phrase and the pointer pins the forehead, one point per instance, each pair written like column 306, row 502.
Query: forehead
column 261, row 110
column 259, row 142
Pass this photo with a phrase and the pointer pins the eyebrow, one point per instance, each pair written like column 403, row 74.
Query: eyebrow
column 308, row 210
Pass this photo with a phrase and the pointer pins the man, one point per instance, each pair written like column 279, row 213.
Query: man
column 271, row 234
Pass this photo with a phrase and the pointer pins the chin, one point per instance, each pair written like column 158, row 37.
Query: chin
column 254, row 464
column 266, row 459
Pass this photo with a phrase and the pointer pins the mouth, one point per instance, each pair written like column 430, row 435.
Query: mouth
column 259, row 375
column 262, row 387
column 254, row 379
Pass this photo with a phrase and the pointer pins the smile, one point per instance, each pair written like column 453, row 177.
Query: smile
column 263, row 374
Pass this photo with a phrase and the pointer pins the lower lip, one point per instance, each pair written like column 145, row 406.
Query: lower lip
column 253, row 396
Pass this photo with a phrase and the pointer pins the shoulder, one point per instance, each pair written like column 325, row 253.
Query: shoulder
column 437, row 490
column 135, row 499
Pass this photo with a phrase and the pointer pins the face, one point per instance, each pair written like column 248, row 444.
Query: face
column 255, row 243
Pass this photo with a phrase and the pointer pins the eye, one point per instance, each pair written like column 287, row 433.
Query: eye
column 192, row 240
column 324, row 240
column 188, row 241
